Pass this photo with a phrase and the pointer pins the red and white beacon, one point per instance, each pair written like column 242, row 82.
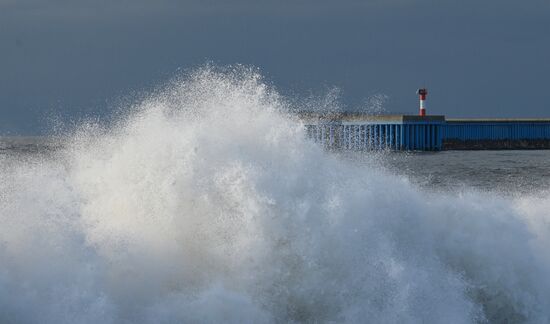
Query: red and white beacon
column 422, row 93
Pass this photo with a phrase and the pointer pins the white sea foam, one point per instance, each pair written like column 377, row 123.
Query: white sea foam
column 206, row 203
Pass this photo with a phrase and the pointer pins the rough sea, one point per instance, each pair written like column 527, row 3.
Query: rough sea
column 206, row 203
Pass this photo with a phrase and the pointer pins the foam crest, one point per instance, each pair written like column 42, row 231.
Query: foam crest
column 206, row 203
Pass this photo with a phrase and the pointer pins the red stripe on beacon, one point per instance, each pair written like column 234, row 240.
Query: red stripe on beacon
column 422, row 93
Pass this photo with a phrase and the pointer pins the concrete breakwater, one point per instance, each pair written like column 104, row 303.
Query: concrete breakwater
column 425, row 133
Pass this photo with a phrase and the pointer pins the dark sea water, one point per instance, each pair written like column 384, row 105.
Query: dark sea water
column 28, row 145
column 497, row 171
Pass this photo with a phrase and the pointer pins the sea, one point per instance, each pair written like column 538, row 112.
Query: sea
column 207, row 203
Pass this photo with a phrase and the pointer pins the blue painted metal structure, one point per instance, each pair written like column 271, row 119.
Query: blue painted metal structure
column 496, row 129
column 425, row 133
column 400, row 132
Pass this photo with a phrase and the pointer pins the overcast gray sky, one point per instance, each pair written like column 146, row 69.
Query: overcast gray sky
column 76, row 58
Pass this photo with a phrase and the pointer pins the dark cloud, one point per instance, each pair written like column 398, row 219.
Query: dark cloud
column 73, row 58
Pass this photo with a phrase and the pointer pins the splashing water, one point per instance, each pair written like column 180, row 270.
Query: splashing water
column 375, row 104
column 208, row 204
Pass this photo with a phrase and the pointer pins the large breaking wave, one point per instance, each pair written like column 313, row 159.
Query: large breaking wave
column 206, row 203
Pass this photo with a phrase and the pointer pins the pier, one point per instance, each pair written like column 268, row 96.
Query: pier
column 497, row 134
column 353, row 131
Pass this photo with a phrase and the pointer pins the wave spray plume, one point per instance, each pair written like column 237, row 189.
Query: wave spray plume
column 206, row 203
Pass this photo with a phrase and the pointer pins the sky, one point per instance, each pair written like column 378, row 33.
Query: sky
column 77, row 58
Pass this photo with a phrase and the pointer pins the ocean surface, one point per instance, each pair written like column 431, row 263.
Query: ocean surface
column 505, row 172
column 206, row 203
